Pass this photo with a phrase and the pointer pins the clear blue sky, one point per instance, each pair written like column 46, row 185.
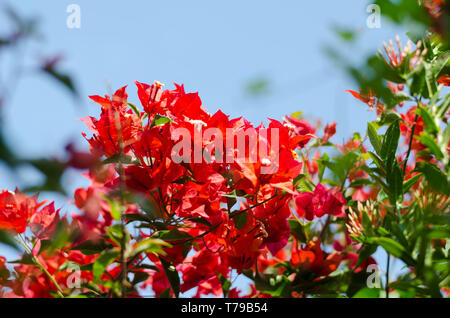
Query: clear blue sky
column 213, row 47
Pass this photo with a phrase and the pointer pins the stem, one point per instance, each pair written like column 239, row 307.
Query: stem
column 46, row 272
column 324, row 229
column 60, row 292
column 410, row 144
column 387, row 274
column 123, row 261
column 232, row 214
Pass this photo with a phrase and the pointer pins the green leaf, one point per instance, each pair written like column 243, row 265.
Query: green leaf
column 90, row 247
column 7, row 239
column 61, row 235
column 377, row 160
column 26, row 259
column 120, row 157
column 149, row 245
column 6, row 153
column 410, row 182
column 364, row 252
column 226, row 284
column 137, row 217
column 258, row 87
column 373, row 137
column 345, row 34
column 367, row 293
column 173, row 235
column 53, row 171
column 161, row 120
column 240, row 219
column 418, row 81
column 139, row 277
column 359, row 182
column 116, row 233
column 62, row 78
column 430, row 124
column 430, row 81
column 400, row 97
column 115, row 208
column 135, row 109
column 102, row 262
column 439, row 65
column 443, row 108
column 435, row 177
column 429, row 141
column 394, row 179
column 388, row 118
column 298, row 230
column 390, row 141
column 394, row 248
column 172, row 276
column 231, row 201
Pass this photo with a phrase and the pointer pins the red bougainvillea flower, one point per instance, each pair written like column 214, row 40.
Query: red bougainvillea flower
column 4, row 273
column 368, row 99
column 117, row 126
column 311, row 258
column 157, row 279
column 79, row 159
column 353, row 258
column 242, row 246
column 202, row 271
column 328, row 201
column 304, row 205
column 329, row 131
column 435, row 7
column 444, row 79
column 44, row 221
column 275, row 214
column 32, row 282
column 320, row 202
column 236, row 293
column 299, row 130
column 16, row 209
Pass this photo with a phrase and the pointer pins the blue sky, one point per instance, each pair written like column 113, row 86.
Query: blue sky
column 213, row 47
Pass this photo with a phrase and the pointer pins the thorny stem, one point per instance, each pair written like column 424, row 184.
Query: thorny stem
column 410, row 144
column 36, row 261
column 232, row 214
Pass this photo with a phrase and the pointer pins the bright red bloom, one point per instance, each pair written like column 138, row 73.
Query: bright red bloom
column 300, row 131
column 43, row 222
column 320, row 202
column 201, row 271
column 329, row 131
column 79, row 159
column 117, row 126
column 304, row 204
column 444, row 79
column 16, row 209
column 368, row 99
column 353, row 258
column 328, row 202
column 312, row 258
